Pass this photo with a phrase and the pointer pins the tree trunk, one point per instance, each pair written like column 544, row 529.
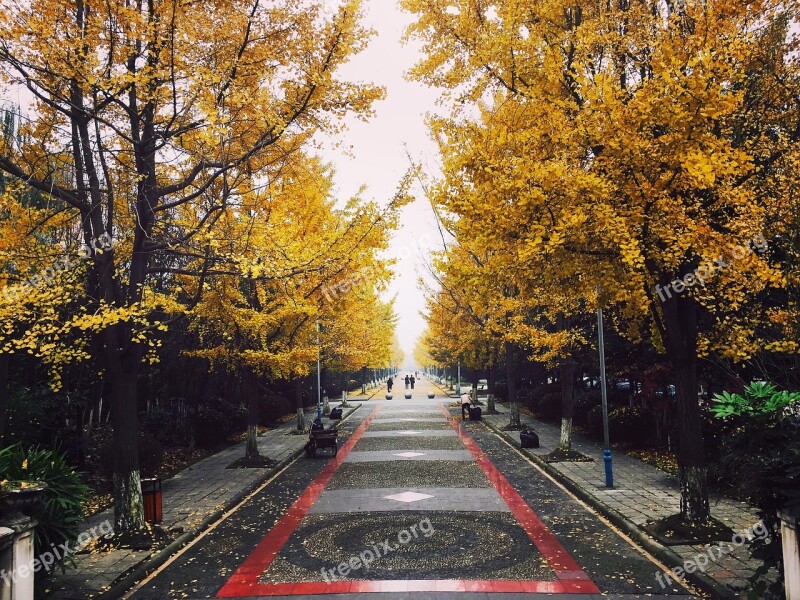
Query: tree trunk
column 128, row 503
column 298, row 401
column 4, row 396
column 490, row 378
column 566, row 373
column 511, row 374
column 364, row 380
column 680, row 320
column 251, row 386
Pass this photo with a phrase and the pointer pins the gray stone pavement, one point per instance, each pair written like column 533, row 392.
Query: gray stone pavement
column 191, row 498
column 393, row 455
column 411, row 433
column 644, row 493
column 412, row 499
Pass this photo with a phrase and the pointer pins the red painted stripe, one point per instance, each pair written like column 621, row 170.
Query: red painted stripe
column 415, row 585
column 571, row 578
column 245, row 579
column 559, row 559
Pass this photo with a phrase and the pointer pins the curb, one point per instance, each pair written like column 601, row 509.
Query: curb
column 127, row 580
column 366, row 398
column 663, row 553
column 444, row 391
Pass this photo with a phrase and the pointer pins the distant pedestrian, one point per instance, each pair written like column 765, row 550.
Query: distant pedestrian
column 408, row 381
column 465, row 403
column 389, row 384
column 412, row 382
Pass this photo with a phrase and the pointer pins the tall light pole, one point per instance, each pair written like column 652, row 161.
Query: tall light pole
column 458, row 384
column 604, row 395
column 319, row 378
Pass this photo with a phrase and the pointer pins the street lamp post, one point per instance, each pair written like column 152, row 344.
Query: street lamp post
column 604, row 395
column 458, row 382
column 319, row 379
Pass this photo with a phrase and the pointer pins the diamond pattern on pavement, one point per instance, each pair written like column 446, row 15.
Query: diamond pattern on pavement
column 408, row 497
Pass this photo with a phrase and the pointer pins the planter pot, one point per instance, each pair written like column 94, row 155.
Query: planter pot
column 16, row 503
column 431, row 395
column 388, row 396
column 408, row 396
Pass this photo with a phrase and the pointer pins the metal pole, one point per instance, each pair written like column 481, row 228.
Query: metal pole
column 319, row 379
column 606, row 443
column 458, row 384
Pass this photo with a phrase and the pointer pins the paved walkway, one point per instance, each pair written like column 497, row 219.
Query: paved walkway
column 192, row 499
column 416, row 504
column 644, row 493
column 412, row 463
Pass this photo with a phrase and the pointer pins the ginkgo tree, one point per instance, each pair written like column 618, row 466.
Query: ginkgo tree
column 145, row 120
column 281, row 257
column 661, row 143
column 521, row 293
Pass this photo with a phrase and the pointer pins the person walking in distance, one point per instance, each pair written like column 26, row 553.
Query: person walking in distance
column 412, row 382
column 407, row 380
column 389, row 384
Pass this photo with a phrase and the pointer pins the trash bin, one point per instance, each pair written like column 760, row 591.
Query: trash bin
column 151, row 490
column 528, row 438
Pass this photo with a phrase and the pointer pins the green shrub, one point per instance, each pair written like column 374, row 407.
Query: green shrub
column 151, row 456
column 238, row 417
column 584, row 402
column 631, row 424
column 626, row 424
column 761, row 458
column 61, row 512
column 528, row 397
column 594, row 422
column 272, row 407
column 35, row 416
column 211, row 427
column 549, row 405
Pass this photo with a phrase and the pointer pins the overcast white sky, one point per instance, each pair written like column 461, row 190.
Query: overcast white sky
column 379, row 154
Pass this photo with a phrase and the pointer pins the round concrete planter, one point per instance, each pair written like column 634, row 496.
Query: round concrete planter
column 408, row 396
column 431, row 395
column 388, row 396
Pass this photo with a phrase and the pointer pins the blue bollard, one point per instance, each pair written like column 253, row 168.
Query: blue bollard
column 609, row 469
